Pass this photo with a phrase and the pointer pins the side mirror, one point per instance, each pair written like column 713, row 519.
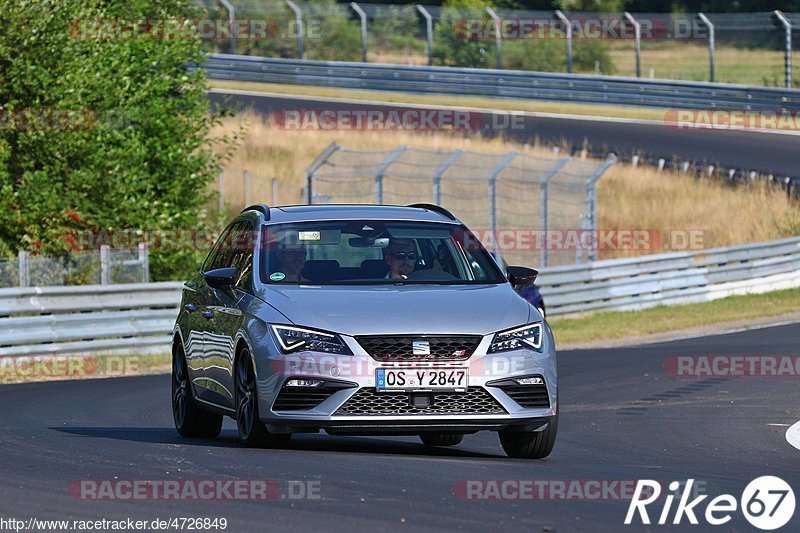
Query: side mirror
column 521, row 277
column 220, row 278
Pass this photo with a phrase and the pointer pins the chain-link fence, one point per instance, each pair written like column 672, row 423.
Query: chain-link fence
column 101, row 267
column 749, row 48
column 532, row 210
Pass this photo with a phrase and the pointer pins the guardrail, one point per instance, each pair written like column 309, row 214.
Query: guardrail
column 96, row 318
column 501, row 83
column 671, row 279
column 87, row 318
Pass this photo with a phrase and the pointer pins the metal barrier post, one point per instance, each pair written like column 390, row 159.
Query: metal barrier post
column 710, row 27
column 568, row 27
column 787, row 26
column 24, row 269
column 543, row 199
column 105, row 265
column 309, row 173
column 246, row 188
column 144, row 257
column 498, row 40
column 428, row 31
column 439, row 172
column 637, row 29
column 231, row 25
column 274, row 191
column 221, row 191
column 381, row 170
column 363, row 17
column 299, row 18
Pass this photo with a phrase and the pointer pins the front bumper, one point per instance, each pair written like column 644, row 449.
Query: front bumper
column 353, row 406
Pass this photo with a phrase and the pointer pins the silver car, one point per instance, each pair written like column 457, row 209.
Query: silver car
column 362, row 319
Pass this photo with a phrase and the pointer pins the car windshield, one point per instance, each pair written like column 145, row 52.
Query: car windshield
column 374, row 252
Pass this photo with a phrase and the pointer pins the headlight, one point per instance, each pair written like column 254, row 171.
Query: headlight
column 529, row 336
column 293, row 339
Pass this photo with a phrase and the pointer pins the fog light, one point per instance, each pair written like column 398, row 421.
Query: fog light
column 304, row 383
column 529, row 381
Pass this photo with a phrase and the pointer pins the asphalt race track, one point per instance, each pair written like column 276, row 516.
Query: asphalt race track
column 744, row 150
column 623, row 417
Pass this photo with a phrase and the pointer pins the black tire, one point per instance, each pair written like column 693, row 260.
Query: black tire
column 252, row 431
column 441, row 439
column 190, row 420
column 530, row 444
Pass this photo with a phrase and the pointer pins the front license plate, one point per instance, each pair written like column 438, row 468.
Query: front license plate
column 413, row 379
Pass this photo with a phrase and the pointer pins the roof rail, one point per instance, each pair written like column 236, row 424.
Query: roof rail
column 436, row 208
column 261, row 208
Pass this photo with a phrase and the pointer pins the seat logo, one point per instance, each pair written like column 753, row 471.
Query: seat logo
column 421, row 347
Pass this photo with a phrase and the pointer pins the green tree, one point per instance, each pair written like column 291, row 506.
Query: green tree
column 132, row 148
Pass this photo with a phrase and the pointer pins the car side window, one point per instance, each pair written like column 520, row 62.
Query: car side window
column 210, row 261
column 243, row 243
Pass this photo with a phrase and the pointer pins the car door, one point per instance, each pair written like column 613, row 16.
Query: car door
column 204, row 336
column 227, row 305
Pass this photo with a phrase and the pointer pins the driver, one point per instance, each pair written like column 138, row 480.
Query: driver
column 292, row 258
column 401, row 256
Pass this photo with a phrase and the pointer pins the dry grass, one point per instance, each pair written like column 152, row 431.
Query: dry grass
column 628, row 198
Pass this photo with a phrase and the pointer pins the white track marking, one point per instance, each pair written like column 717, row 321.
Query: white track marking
column 793, row 435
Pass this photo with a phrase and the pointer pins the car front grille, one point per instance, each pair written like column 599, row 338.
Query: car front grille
column 475, row 401
column 525, row 395
column 303, row 398
column 401, row 347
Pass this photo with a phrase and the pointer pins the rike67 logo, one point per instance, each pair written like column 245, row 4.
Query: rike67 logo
column 767, row 503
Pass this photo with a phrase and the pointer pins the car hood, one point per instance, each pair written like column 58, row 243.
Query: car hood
column 409, row 309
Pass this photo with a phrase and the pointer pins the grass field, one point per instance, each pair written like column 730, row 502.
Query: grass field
column 628, row 198
column 611, row 325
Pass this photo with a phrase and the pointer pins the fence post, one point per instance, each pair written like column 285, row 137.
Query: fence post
column 221, row 191
column 363, row 17
column 590, row 216
column 498, row 39
column 637, row 35
column 492, row 181
column 308, row 176
column 144, row 258
column 105, row 264
column 274, row 191
column 787, row 26
column 382, row 168
column 543, row 199
column 299, row 18
column 24, row 269
column 439, row 172
column 231, row 25
column 246, row 188
column 428, row 31
column 710, row 27
column 568, row 27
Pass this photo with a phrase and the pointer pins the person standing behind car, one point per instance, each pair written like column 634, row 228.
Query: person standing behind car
column 401, row 256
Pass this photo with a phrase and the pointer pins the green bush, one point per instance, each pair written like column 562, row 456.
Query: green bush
column 140, row 157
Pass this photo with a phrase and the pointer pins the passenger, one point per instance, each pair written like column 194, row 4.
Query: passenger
column 401, row 257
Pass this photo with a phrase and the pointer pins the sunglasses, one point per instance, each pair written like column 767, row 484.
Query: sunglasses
column 400, row 256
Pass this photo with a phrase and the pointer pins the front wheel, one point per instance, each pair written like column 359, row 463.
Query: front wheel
column 190, row 420
column 441, row 439
column 530, row 444
column 252, row 431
